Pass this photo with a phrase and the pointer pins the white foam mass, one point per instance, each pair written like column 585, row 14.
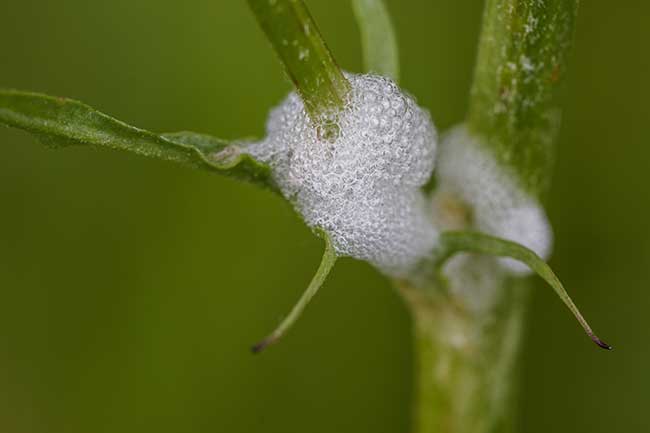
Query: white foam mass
column 363, row 187
column 500, row 207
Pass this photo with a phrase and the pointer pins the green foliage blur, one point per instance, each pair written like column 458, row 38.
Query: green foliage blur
column 132, row 289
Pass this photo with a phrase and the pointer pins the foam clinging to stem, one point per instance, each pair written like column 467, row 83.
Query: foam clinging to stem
column 363, row 186
column 499, row 205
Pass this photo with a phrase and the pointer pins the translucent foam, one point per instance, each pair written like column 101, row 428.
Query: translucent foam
column 363, row 187
column 475, row 279
column 499, row 206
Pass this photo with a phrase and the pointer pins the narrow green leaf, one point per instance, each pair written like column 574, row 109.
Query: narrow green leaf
column 326, row 265
column 308, row 62
column 63, row 122
column 464, row 241
column 378, row 41
column 522, row 57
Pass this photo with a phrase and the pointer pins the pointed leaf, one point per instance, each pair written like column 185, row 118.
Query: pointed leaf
column 326, row 265
column 62, row 122
column 465, row 241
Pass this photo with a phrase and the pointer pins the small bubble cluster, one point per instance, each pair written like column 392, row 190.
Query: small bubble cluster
column 500, row 207
column 363, row 186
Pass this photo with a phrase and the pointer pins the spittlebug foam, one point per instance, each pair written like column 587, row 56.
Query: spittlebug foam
column 362, row 187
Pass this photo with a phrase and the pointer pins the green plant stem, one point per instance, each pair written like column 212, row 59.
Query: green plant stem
column 466, row 358
column 465, row 361
column 522, row 57
column 308, row 62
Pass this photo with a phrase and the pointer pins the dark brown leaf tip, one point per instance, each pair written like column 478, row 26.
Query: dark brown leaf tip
column 601, row 343
column 263, row 344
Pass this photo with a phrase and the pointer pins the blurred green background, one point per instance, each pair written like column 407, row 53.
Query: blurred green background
column 131, row 289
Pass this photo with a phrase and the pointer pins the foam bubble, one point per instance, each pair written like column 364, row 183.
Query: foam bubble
column 475, row 279
column 363, row 187
column 499, row 206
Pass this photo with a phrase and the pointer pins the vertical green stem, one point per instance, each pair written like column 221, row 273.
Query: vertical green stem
column 465, row 361
column 466, row 358
column 307, row 60
column 522, row 57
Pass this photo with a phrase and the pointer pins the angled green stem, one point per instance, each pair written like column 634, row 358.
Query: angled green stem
column 378, row 41
column 326, row 265
column 307, row 60
column 522, row 57
column 475, row 242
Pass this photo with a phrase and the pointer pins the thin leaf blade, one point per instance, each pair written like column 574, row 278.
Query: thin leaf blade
column 64, row 122
column 327, row 263
column 466, row 241
column 378, row 41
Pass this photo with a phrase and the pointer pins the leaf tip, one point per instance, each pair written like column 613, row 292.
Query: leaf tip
column 600, row 342
column 259, row 347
